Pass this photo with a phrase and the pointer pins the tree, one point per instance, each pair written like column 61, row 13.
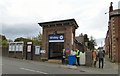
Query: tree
column 22, row 39
column 3, row 41
column 86, row 39
column 91, row 43
column 37, row 40
column 39, row 36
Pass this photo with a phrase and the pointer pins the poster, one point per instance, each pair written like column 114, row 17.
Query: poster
column 21, row 47
column 13, row 47
column 10, row 47
column 29, row 48
column 17, row 47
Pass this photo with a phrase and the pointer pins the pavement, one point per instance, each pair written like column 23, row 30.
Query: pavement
column 109, row 67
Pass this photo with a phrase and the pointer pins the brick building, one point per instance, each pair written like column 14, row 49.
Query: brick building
column 58, row 35
column 112, row 40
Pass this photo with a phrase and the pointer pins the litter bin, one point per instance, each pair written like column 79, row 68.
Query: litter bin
column 71, row 59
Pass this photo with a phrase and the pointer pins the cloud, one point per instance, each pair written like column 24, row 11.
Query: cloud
column 100, row 42
column 21, row 30
column 119, row 5
column 20, row 17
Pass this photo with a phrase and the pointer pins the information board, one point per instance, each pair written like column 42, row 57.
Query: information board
column 37, row 50
column 16, row 46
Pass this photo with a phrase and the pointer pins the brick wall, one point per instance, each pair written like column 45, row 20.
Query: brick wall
column 4, row 51
column 66, row 30
column 112, row 41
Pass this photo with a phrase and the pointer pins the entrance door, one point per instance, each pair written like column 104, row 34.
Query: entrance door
column 55, row 49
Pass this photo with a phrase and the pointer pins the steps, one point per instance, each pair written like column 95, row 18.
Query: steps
column 55, row 60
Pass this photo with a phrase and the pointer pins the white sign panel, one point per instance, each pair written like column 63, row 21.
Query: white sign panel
column 42, row 51
column 17, row 47
column 20, row 47
column 29, row 42
column 10, row 47
column 13, row 47
column 29, row 48
column 37, row 50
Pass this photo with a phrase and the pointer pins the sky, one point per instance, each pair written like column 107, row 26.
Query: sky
column 20, row 18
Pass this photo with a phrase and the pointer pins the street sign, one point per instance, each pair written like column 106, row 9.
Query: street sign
column 42, row 51
column 67, row 50
column 56, row 38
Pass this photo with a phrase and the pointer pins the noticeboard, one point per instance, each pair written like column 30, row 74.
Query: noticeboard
column 37, row 50
column 16, row 46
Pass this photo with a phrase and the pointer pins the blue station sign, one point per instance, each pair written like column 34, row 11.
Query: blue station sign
column 56, row 38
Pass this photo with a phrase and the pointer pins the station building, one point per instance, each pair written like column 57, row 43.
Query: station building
column 58, row 35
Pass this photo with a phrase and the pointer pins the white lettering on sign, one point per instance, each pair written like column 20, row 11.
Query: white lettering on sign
column 54, row 37
column 42, row 51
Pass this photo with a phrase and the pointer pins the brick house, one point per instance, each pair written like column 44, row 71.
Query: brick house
column 112, row 40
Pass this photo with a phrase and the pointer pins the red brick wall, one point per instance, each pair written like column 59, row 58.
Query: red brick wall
column 67, row 30
column 116, row 53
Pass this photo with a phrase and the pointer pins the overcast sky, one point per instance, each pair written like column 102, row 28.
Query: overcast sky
column 20, row 18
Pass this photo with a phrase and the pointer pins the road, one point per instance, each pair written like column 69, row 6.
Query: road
column 19, row 66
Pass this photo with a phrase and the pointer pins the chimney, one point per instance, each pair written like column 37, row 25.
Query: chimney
column 111, row 7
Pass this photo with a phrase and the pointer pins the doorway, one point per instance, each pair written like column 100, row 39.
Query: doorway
column 55, row 50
